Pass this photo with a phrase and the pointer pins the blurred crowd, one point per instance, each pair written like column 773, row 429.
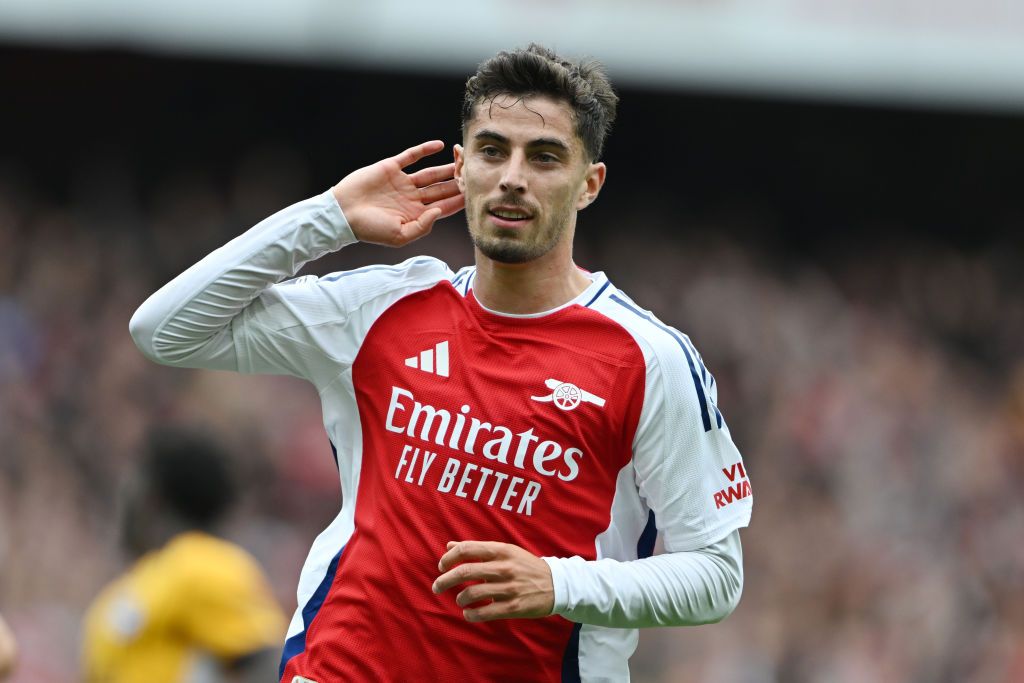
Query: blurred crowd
column 877, row 396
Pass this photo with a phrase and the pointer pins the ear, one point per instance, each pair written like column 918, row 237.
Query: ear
column 460, row 159
column 593, row 181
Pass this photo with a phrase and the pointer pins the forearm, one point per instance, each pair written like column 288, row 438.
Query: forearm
column 674, row 589
column 187, row 321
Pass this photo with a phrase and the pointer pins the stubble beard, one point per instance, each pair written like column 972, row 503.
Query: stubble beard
column 508, row 246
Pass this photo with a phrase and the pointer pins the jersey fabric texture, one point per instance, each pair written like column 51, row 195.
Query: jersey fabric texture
column 197, row 602
column 577, row 434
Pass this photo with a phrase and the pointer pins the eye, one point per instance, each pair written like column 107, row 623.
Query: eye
column 490, row 151
column 546, row 158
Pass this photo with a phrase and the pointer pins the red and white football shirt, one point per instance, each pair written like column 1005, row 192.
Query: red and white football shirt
column 567, row 433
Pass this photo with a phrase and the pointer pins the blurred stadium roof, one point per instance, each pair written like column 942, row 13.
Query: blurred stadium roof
column 955, row 53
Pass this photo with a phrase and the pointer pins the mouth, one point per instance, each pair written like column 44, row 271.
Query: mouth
column 509, row 216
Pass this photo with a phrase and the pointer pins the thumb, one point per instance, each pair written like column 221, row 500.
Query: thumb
column 422, row 225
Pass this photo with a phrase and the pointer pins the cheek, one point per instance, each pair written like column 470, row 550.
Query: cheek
column 473, row 183
column 564, row 200
column 474, row 201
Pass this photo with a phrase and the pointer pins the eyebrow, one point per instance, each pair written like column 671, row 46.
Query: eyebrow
column 539, row 142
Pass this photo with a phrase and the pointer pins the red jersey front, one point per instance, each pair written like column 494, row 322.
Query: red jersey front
column 473, row 426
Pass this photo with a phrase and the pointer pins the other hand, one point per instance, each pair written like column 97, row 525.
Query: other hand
column 513, row 582
column 385, row 205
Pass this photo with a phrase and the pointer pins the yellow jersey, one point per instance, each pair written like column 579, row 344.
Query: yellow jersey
column 196, row 603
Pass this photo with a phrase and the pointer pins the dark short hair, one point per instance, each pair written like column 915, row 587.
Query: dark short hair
column 583, row 85
column 189, row 472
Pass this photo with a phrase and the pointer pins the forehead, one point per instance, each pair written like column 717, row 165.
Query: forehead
column 525, row 118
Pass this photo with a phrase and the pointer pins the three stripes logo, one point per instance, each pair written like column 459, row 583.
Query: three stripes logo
column 434, row 361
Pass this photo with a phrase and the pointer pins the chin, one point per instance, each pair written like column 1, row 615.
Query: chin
column 507, row 246
column 505, row 251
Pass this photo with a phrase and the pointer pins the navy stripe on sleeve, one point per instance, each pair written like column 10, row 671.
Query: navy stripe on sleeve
column 705, row 416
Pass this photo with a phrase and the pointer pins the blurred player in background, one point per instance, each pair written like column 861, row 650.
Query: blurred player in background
column 193, row 607
column 8, row 650
column 519, row 430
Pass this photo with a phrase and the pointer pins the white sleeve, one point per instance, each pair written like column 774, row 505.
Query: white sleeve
column 675, row 589
column 687, row 467
column 688, row 471
column 230, row 311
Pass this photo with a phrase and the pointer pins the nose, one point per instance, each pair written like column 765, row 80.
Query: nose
column 513, row 175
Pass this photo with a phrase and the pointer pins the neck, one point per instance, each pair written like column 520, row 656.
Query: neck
column 533, row 287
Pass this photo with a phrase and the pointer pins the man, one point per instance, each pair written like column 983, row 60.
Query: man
column 506, row 435
column 193, row 607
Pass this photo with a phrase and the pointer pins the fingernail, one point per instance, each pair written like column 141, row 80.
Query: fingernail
column 469, row 614
column 434, row 588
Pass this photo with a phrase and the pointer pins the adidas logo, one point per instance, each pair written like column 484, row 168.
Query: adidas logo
column 434, row 361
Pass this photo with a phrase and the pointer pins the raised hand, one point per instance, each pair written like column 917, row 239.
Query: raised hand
column 508, row 581
column 385, row 205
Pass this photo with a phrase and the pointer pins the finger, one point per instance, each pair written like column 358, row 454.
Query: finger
column 414, row 154
column 501, row 609
column 470, row 571
column 434, row 174
column 484, row 591
column 466, row 551
column 422, row 225
column 438, row 191
column 450, row 205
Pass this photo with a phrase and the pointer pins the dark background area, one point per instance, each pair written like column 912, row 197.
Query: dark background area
column 821, row 174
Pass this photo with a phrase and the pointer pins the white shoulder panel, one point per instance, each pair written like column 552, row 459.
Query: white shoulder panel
column 313, row 326
column 683, row 454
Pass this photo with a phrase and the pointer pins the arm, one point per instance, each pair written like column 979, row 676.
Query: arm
column 675, row 589
column 190, row 322
column 701, row 586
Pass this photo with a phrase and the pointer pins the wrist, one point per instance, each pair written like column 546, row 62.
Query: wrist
column 559, row 584
column 338, row 218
